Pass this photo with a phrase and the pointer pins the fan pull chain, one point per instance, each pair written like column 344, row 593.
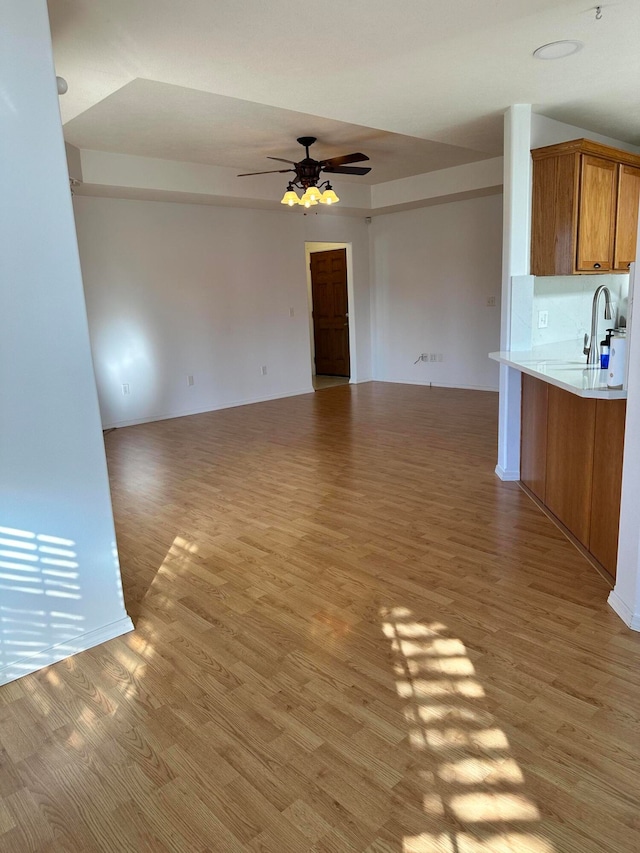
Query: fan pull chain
column 598, row 13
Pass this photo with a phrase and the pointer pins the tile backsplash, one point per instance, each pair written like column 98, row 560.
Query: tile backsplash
column 568, row 300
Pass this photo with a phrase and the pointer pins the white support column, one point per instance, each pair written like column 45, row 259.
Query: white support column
column 60, row 589
column 515, row 261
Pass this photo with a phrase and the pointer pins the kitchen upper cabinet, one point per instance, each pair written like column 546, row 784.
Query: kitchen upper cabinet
column 585, row 208
column 596, row 214
column 626, row 216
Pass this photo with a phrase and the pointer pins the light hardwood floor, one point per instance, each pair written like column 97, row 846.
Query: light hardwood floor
column 350, row 636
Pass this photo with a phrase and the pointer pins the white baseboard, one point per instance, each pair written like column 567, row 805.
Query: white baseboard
column 201, row 411
column 624, row 611
column 507, row 476
column 439, row 385
column 53, row 654
column 359, row 381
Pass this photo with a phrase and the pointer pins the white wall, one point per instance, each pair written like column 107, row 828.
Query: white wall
column 59, row 575
column 178, row 290
column 548, row 131
column 479, row 178
column 434, row 270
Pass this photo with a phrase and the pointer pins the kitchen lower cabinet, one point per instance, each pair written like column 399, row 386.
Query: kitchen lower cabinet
column 533, row 440
column 607, row 481
column 571, row 460
column 570, row 447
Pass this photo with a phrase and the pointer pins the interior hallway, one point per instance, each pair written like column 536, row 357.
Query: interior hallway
column 350, row 636
column 322, row 382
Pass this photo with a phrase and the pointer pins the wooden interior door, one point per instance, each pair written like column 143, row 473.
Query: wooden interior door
column 330, row 312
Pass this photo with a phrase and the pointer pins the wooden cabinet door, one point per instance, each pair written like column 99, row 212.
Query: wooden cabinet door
column 570, row 442
column 533, row 436
column 607, row 482
column 596, row 214
column 554, row 214
column 626, row 216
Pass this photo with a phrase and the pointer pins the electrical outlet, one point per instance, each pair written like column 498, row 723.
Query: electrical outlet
column 292, row 313
column 125, row 388
column 190, row 380
column 491, row 302
column 263, row 369
column 424, row 356
column 433, row 356
column 439, row 356
column 543, row 319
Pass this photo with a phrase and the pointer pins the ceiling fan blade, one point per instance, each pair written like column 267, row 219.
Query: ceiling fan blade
column 346, row 170
column 268, row 172
column 282, row 160
column 342, row 161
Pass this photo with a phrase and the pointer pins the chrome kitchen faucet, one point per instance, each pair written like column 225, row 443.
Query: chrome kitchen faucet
column 591, row 346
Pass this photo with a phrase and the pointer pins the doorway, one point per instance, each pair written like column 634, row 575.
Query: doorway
column 329, row 300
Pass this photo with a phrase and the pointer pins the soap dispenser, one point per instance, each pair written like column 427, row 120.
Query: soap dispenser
column 605, row 349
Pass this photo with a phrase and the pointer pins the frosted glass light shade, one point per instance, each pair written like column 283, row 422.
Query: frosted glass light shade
column 290, row 198
column 329, row 197
column 314, row 193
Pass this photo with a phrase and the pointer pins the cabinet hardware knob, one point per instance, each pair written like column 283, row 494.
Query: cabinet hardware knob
column 596, row 266
column 629, row 265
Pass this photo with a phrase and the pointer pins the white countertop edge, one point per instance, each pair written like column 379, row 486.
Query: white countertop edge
column 518, row 360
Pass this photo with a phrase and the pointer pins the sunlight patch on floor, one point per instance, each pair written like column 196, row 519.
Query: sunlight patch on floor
column 473, row 792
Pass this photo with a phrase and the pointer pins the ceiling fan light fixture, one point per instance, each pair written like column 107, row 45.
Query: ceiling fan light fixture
column 329, row 196
column 308, row 175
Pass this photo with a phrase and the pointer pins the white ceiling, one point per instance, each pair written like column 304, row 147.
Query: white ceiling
column 417, row 85
column 154, row 119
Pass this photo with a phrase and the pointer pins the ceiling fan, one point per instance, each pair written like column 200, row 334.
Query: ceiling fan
column 307, row 175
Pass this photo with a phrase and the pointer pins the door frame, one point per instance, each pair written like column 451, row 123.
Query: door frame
column 309, row 248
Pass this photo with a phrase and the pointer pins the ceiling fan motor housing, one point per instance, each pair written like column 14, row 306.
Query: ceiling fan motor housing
column 308, row 172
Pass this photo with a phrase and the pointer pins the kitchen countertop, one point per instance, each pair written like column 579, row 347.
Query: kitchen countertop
column 561, row 365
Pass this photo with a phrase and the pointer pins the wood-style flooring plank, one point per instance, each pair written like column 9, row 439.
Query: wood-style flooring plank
column 351, row 637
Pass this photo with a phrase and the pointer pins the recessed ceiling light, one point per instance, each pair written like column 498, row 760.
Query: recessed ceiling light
column 558, row 49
